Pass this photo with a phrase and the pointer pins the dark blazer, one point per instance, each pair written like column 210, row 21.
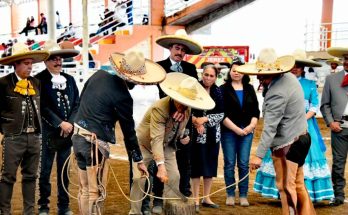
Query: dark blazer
column 13, row 104
column 241, row 116
column 188, row 69
column 52, row 113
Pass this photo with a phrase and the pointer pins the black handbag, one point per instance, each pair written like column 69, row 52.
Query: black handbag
column 57, row 142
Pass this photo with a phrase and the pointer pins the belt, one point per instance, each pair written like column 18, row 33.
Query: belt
column 29, row 130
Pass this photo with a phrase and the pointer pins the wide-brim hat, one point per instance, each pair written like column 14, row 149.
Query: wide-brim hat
column 20, row 51
column 334, row 60
column 180, row 37
column 55, row 50
column 133, row 67
column 187, row 91
column 338, row 51
column 268, row 64
column 302, row 59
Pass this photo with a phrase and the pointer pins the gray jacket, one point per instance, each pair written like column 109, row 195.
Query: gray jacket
column 283, row 112
column 334, row 98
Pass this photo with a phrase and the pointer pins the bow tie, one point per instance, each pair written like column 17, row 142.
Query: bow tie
column 345, row 81
column 176, row 67
column 24, row 87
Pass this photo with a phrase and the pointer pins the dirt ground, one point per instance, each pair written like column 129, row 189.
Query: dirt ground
column 116, row 203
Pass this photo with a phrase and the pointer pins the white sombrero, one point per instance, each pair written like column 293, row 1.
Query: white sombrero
column 20, row 51
column 187, row 91
column 180, row 37
column 334, row 60
column 268, row 64
column 133, row 67
column 55, row 50
column 302, row 59
column 338, row 51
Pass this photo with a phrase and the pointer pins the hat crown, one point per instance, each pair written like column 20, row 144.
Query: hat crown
column 300, row 54
column 181, row 32
column 19, row 48
column 134, row 60
column 267, row 56
column 50, row 46
column 188, row 88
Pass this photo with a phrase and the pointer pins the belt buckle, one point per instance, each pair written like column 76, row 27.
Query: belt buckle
column 29, row 130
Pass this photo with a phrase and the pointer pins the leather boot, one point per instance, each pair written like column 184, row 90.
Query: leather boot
column 28, row 191
column 93, row 191
column 304, row 205
column 5, row 198
column 83, row 192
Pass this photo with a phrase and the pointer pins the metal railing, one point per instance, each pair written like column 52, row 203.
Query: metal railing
column 173, row 6
column 317, row 36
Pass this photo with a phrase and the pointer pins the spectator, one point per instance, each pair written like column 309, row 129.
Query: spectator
column 42, row 25
column 145, row 19
column 29, row 26
column 58, row 23
column 334, row 63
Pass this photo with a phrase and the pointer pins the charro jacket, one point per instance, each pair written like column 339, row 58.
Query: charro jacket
column 157, row 129
column 13, row 104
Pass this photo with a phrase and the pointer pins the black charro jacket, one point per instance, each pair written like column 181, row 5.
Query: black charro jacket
column 12, row 105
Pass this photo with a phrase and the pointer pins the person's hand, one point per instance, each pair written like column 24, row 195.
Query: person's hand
column 335, row 127
column 178, row 117
column 200, row 121
column 66, row 127
column 185, row 140
column 255, row 163
column 249, row 129
column 200, row 129
column 142, row 168
column 162, row 173
column 240, row 132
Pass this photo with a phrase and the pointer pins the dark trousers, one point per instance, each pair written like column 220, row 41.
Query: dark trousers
column 184, row 165
column 47, row 159
column 339, row 145
column 18, row 150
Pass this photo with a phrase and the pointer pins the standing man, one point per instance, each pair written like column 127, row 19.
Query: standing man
column 179, row 45
column 159, row 132
column 21, row 126
column 334, row 109
column 334, row 63
column 105, row 99
column 59, row 103
column 285, row 129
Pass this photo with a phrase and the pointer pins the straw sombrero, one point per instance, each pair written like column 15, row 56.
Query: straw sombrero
column 334, row 60
column 55, row 50
column 302, row 59
column 180, row 37
column 337, row 51
column 133, row 67
column 20, row 51
column 268, row 64
column 187, row 91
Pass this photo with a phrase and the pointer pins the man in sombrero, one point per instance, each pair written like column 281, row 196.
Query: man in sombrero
column 334, row 63
column 20, row 123
column 159, row 132
column 104, row 100
column 59, row 102
column 178, row 44
column 285, row 129
column 334, row 109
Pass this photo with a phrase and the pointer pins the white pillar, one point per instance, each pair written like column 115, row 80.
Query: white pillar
column 51, row 20
column 85, row 37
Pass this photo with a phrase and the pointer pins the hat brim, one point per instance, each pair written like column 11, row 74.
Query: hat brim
column 286, row 63
column 65, row 53
column 337, row 51
column 154, row 72
column 193, row 47
column 171, row 84
column 329, row 62
column 36, row 56
column 308, row 63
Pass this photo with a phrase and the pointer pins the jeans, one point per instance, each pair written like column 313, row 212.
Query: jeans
column 47, row 158
column 236, row 147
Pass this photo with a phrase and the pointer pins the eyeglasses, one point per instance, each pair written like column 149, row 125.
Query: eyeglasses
column 56, row 59
column 207, row 75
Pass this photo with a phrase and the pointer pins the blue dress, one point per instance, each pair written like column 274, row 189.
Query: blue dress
column 316, row 170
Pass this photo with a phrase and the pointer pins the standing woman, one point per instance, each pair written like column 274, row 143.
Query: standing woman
column 206, row 139
column 241, row 116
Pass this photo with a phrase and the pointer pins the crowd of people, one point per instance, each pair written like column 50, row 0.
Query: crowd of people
column 179, row 133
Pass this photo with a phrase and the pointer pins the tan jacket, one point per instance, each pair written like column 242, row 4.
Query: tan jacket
column 156, row 129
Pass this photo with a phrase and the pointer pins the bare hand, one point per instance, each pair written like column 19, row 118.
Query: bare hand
column 143, row 170
column 178, row 117
column 66, row 127
column 255, row 163
column 249, row 129
column 200, row 129
column 162, row 173
column 335, row 127
column 185, row 140
column 240, row 132
column 200, row 121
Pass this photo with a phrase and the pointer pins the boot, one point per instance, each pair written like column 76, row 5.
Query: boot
column 5, row 198
column 93, row 191
column 28, row 191
column 83, row 192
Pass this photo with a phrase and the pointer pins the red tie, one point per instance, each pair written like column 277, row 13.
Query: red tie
column 345, row 81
